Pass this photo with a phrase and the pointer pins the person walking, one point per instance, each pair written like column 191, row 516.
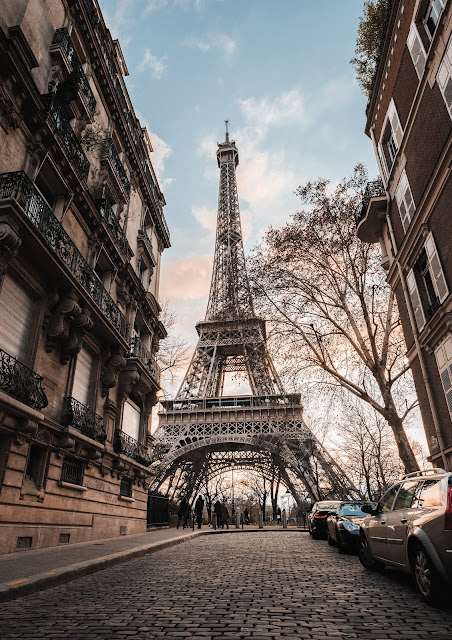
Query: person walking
column 182, row 514
column 199, row 506
column 224, row 516
column 217, row 510
column 247, row 516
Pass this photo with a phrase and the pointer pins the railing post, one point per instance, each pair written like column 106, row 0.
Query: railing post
column 238, row 516
column 284, row 519
column 261, row 520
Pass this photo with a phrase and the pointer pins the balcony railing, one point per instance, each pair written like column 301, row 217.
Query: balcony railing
column 20, row 382
column 79, row 417
column 112, row 221
column 70, row 141
column 131, row 448
column 145, row 239
column 374, row 189
column 290, row 400
column 110, row 151
column 77, row 81
column 139, row 351
column 18, row 186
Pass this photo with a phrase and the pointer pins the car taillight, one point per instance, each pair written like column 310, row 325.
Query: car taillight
column 448, row 519
column 320, row 515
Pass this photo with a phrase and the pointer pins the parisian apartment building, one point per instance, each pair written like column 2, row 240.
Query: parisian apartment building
column 82, row 231
column 408, row 210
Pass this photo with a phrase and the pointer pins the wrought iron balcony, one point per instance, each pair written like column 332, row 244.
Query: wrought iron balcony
column 18, row 186
column 112, row 154
column 77, row 81
column 139, row 351
column 112, row 221
column 131, row 448
column 146, row 241
column 79, row 417
column 70, row 141
column 374, row 189
column 20, row 382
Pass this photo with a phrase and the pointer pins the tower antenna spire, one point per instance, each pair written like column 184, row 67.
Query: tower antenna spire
column 226, row 122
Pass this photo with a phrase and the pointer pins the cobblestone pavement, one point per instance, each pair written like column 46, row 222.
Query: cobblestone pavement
column 262, row 586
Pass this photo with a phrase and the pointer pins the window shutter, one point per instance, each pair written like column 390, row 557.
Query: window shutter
column 445, row 83
column 415, row 300
column 436, row 271
column 405, row 202
column 417, row 51
column 444, row 362
column 82, row 377
column 131, row 420
column 16, row 312
column 396, row 127
column 383, row 162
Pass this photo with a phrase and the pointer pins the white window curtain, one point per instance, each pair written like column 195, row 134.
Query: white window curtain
column 444, row 77
column 82, row 377
column 443, row 356
column 435, row 268
column 415, row 300
column 404, row 199
column 16, row 313
column 417, row 51
column 131, row 420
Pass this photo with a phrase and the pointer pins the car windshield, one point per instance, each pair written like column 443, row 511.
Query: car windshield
column 326, row 506
column 353, row 509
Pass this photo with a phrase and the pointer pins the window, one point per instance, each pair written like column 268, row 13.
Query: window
column 391, row 138
column 417, row 51
column 82, row 377
column 144, row 275
column 432, row 493
column 408, row 495
column 16, row 315
column 432, row 16
column 385, row 503
column 405, row 202
column 426, row 283
column 72, row 471
column 444, row 77
column 53, row 188
column 36, row 465
column 443, row 355
column 131, row 419
column 125, row 488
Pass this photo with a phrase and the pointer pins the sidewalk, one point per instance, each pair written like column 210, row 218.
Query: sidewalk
column 25, row 572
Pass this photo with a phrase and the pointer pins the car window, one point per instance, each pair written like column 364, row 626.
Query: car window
column 385, row 503
column 353, row 509
column 326, row 506
column 408, row 495
column 431, row 493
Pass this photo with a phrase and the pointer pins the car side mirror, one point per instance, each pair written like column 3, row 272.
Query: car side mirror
column 367, row 508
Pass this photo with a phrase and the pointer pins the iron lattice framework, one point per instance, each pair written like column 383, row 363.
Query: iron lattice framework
column 201, row 428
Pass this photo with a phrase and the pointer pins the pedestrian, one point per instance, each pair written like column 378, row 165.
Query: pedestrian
column 199, row 506
column 247, row 516
column 278, row 515
column 224, row 516
column 182, row 514
column 217, row 511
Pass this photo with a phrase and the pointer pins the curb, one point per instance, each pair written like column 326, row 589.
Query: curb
column 49, row 579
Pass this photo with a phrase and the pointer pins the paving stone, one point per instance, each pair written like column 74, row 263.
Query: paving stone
column 260, row 586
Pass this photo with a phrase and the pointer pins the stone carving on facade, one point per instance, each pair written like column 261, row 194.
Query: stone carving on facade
column 79, row 326
column 114, row 361
column 9, row 244
column 9, row 112
column 122, row 294
column 66, row 322
column 128, row 378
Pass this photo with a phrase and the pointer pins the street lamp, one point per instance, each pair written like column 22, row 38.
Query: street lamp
column 287, row 496
column 232, row 492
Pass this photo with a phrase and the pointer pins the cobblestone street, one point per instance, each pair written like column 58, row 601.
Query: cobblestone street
column 261, row 585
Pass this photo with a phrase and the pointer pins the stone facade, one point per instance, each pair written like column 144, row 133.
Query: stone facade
column 407, row 212
column 82, row 231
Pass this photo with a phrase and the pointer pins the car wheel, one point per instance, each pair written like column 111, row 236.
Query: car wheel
column 340, row 543
column 366, row 558
column 315, row 535
column 330, row 539
column 428, row 582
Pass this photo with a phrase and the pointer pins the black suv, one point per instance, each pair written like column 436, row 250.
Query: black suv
column 318, row 515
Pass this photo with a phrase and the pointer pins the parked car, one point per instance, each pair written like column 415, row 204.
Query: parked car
column 318, row 515
column 411, row 529
column 343, row 526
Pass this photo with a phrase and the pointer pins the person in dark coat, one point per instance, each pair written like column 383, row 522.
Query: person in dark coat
column 247, row 517
column 217, row 510
column 199, row 506
column 224, row 516
column 182, row 514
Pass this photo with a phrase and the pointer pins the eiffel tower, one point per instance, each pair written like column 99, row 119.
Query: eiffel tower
column 203, row 431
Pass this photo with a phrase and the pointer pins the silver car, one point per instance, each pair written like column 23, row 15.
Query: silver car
column 411, row 529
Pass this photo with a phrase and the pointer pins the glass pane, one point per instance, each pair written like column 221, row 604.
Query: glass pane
column 431, row 495
column 408, row 494
column 388, row 499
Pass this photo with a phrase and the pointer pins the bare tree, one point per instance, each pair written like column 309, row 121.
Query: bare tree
column 172, row 356
column 332, row 309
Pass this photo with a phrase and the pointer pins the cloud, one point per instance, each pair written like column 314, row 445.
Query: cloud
column 215, row 42
column 286, row 109
column 207, row 218
column 150, row 62
column 119, row 19
column 155, row 5
column 187, row 279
